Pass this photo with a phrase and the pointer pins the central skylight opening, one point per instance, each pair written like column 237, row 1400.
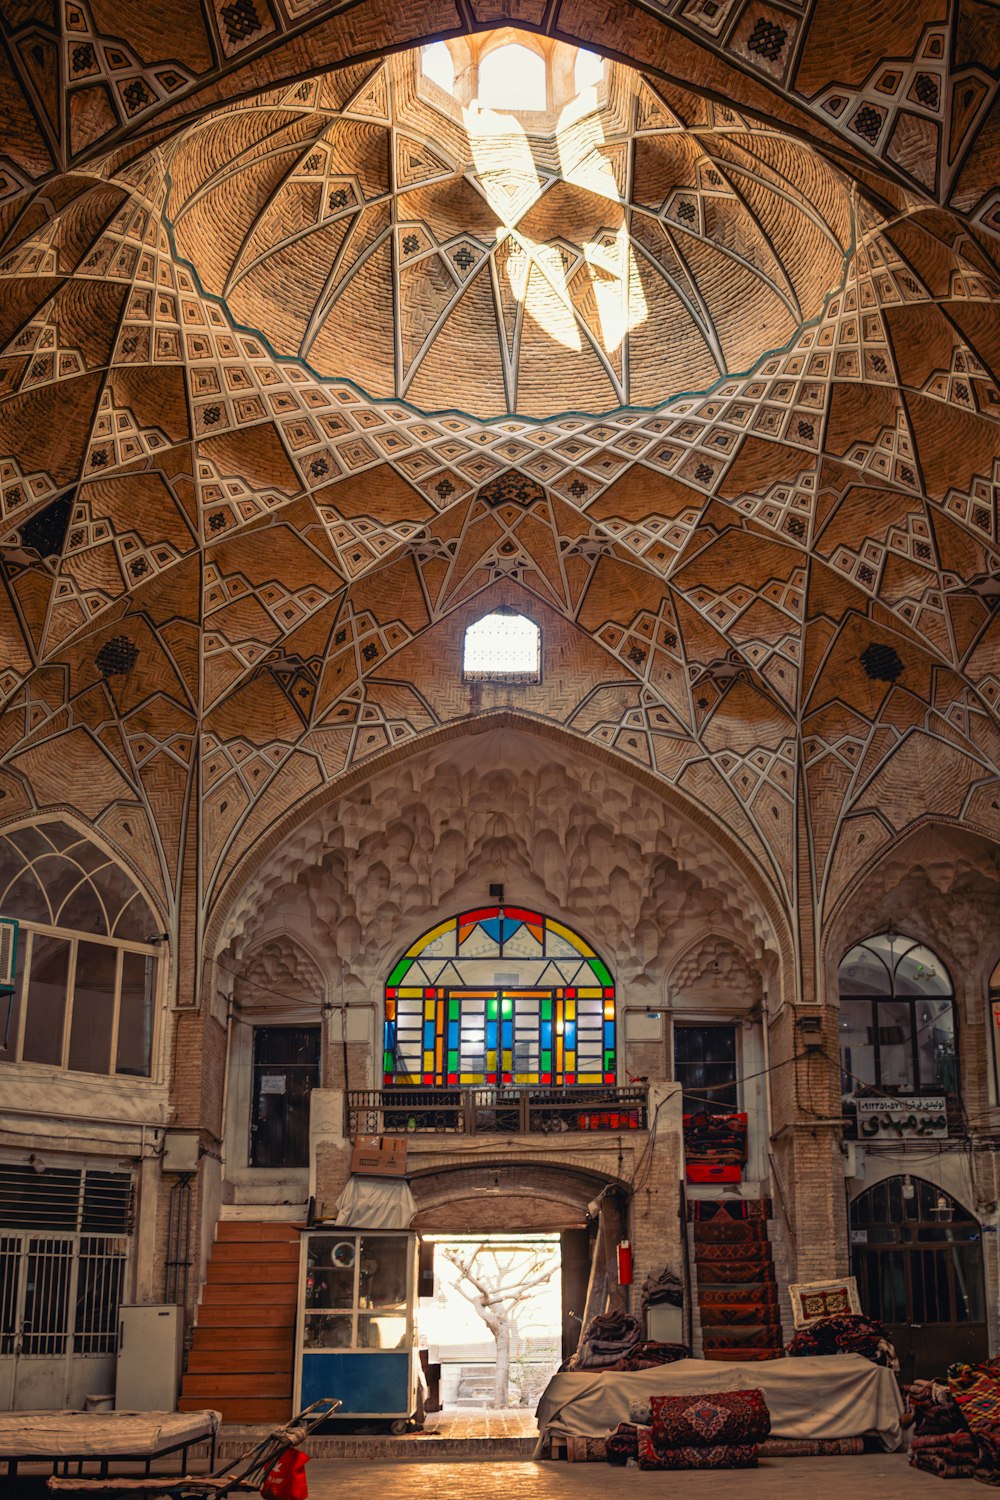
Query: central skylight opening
column 513, row 77
column 502, row 647
column 512, row 72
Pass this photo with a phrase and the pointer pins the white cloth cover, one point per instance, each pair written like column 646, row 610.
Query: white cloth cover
column 375, row 1203
column 101, row 1434
column 823, row 1396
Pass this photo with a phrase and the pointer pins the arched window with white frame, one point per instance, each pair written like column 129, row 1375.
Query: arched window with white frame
column 897, row 1021
column 85, row 986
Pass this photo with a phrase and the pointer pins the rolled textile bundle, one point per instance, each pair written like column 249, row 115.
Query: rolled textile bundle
column 650, row 1354
column 709, row 1420
column 717, row 1456
column 606, row 1339
column 944, row 1442
column 943, row 1465
column 662, row 1286
column 987, row 1465
column 623, row 1443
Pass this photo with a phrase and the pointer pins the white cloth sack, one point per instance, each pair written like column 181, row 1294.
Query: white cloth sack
column 375, row 1203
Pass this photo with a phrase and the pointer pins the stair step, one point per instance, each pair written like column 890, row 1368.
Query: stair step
column 263, row 1252
column 236, row 1316
column 229, row 1230
column 252, row 1272
column 237, row 1361
column 246, row 1295
column 271, row 1383
column 250, row 1340
column 243, row 1409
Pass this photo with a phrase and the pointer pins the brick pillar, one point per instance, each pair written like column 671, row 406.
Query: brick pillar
column 654, row 1222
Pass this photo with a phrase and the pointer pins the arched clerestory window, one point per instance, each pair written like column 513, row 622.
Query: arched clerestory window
column 513, row 77
column 500, row 995
column 897, row 1019
column 87, row 955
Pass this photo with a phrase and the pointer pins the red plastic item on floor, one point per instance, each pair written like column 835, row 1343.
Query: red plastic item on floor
column 286, row 1479
column 703, row 1171
column 624, row 1263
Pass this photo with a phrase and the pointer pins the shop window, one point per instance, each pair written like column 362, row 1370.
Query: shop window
column 499, row 996
column 84, row 991
column 897, row 1023
column 513, row 77
column 502, row 647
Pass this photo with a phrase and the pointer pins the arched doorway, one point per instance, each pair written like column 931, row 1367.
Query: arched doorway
column 495, row 996
column 918, row 1257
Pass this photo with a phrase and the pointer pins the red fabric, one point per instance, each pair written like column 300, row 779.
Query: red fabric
column 715, row 1419
column 286, row 1479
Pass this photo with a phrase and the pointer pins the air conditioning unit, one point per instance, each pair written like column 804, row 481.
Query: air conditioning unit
column 8, row 952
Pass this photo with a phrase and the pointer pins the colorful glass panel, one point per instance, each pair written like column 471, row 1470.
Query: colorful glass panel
column 499, row 995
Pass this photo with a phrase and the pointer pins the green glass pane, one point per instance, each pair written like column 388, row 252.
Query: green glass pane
column 602, row 973
column 609, row 1062
column 452, row 1010
column 491, row 1009
column 452, row 1062
column 388, row 1062
column 507, row 1007
column 546, row 1062
column 396, row 977
column 546, row 1010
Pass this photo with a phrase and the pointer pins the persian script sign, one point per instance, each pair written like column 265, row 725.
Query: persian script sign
column 923, row 1115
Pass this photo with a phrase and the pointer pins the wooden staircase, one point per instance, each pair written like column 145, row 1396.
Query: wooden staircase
column 736, row 1287
column 240, row 1361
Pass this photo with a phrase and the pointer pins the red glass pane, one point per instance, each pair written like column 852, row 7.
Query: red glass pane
column 452, row 1077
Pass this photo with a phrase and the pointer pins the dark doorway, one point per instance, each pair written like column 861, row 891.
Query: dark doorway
column 918, row 1257
column 285, row 1072
column 705, row 1067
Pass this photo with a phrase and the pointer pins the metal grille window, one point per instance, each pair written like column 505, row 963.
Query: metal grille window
column 63, row 1259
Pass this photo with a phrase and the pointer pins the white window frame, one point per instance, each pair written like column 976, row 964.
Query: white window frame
column 19, row 998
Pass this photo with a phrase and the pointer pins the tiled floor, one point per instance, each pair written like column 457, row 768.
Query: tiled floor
column 887, row 1476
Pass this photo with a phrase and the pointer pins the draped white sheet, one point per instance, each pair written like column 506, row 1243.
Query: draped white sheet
column 824, row 1396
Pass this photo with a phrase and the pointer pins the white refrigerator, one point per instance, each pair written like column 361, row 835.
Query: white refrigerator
column 150, row 1348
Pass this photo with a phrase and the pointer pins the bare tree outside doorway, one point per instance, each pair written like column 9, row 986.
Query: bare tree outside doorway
column 498, row 1280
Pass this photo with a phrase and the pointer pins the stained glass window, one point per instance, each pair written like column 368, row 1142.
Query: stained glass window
column 499, row 995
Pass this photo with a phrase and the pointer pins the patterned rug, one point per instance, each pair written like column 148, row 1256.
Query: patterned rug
column 737, row 1314
column 730, row 1231
column 762, row 1293
column 811, row 1447
column 728, row 1208
column 720, row 1456
column 708, row 1419
column 756, row 1336
column 724, row 1273
column 758, row 1252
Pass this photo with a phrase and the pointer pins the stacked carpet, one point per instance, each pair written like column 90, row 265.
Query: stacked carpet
column 737, row 1290
column 955, row 1423
column 719, row 1430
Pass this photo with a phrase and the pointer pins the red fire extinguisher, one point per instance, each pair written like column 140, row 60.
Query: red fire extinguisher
column 624, row 1263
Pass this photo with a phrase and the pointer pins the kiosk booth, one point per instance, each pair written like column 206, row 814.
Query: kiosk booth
column 356, row 1325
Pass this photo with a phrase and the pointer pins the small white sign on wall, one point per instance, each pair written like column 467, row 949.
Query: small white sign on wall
column 644, row 1025
column 272, row 1083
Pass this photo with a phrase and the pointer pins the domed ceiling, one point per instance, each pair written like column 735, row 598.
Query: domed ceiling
column 621, row 254
column 716, row 407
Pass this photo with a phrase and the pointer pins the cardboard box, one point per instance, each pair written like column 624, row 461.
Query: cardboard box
column 379, row 1156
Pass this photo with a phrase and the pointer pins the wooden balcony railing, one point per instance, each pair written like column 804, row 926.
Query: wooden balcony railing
column 493, row 1111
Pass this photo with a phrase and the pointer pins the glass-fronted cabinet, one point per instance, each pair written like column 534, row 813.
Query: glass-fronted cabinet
column 357, row 1337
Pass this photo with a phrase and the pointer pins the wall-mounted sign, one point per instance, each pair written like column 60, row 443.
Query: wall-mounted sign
column 893, row 1119
column 272, row 1083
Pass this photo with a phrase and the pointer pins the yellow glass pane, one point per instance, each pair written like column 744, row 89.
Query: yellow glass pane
column 573, row 938
column 429, row 937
